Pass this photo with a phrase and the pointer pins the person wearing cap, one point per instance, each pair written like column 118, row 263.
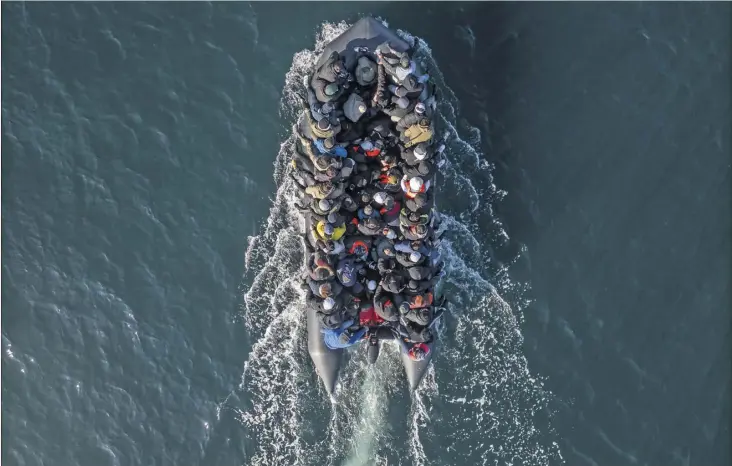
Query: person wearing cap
column 410, row 259
column 420, row 132
column 365, row 72
column 324, row 289
column 327, row 230
column 346, row 334
column 412, row 118
column 420, row 153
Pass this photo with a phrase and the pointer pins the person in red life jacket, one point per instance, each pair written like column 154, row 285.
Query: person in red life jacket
column 389, row 181
column 413, row 187
column 418, row 352
column 367, row 150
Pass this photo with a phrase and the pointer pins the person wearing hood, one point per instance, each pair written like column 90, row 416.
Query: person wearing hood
column 348, row 204
column 389, row 209
column 328, row 147
column 319, row 266
column 400, row 71
column 325, row 230
column 412, row 118
column 389, row 181
column 381, row 128
column 325, row 190
column 412, row 246
column 411, row 259
column 354, row 107
column 416, row 333
column 365, row 72
column 385, row 305
column 420, row 132
column 416, row 232
column 421, row 203
column 324, row 289
column 320, row 208
column 344, row 335
column 408, row 218
column 414, row 186
column 383, row 249
column 420, row 153
column 370, row 226
column 323, row 129
column 331, row 80
column 358, row 245
column 317, row 109
column 347, row 271
column 367, row 211
column 424, row 170
column 393, row 283
column 329, row 311
column 398, row 107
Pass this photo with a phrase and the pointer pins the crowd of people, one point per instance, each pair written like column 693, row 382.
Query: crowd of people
column 364, row 166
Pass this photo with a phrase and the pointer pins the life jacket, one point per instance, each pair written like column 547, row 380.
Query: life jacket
column 368, row 153
column 384, row 178
column 418, row 301
column 338, row 232
column 425, row 350
column 369, row 317
column 356, row 244
column 411, row 194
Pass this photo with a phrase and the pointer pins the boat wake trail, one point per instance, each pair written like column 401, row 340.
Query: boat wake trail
column 479, row 404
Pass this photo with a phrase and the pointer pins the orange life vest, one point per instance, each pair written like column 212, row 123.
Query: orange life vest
column 356, row 244
column 419, row 301
column 369, row 317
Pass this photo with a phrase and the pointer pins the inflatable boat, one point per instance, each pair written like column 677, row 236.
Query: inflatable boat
column 383, row 137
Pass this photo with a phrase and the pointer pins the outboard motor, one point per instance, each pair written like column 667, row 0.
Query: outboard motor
column 372, row 350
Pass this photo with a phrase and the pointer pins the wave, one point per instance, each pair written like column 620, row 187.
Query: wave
column 479, row 403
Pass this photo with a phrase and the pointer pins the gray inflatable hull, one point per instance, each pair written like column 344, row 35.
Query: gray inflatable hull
column 369, row 33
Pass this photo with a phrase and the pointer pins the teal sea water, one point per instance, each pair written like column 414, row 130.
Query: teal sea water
column 149, row 312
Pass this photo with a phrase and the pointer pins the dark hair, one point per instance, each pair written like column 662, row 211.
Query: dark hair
column 323, row 124
column 329, row 142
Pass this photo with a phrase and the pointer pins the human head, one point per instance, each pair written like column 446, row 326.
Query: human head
column 388, row 252
column 321, row 273
column 388, row 306
column 380, row 197
column 331, row 89
column 327, row 185
column 410, row 81
column 329, row 229
column 415, row 256
column 347, row 201
column 413, row 217
column 367, row 145
column 420, row 229
column 388, row 160
column 404, row 61
column 365, row 198
column 362, row 107
column 413, row 285
column 329, row 143
column 333, row 218
column 416, row 245
column 325, row 204
column 404, row 307
column 324, row 124
column 371, row 285
column 325, row 289
column 424, row 122
column 339, row 69
column 420, row 108
column 360, row 250
column 331, row 172
column 328, row 303
column 416, row 183
column 368, row 210
column 389, row 233
column 321, row 163
column 330, row 245
column 420, row 151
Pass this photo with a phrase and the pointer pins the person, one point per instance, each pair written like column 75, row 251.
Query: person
column 328, row 147
column 408, row 218
column 367, row 211
column 325, row 230
column 412, row 118
column 329, row 311
column 420, row 203
column 420, row 132
column 413, row 187
column 393, row 283
column 384, row 305
column 354, row 107
column 418, row 154
column 331, row 79
column 347, row 271
column 322, row 129
column 319, row 266
column 324, row 289
column 388, row 53
column 410, row 259
column 424, row 170
column 365, row 72
column 325, row 190
column 389, row 180
column 420, row 316
column 400, row 71
column 415, row 232
column 344, row 335
column 370, row 226
column 383, row 249
column 418, row 352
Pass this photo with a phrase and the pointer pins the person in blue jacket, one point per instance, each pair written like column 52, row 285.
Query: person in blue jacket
column 342, row 337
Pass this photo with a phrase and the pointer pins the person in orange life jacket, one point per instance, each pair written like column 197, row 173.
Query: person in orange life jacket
column 383, row 249
column 413, row 187
column 418, row 351
column 385, row 305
